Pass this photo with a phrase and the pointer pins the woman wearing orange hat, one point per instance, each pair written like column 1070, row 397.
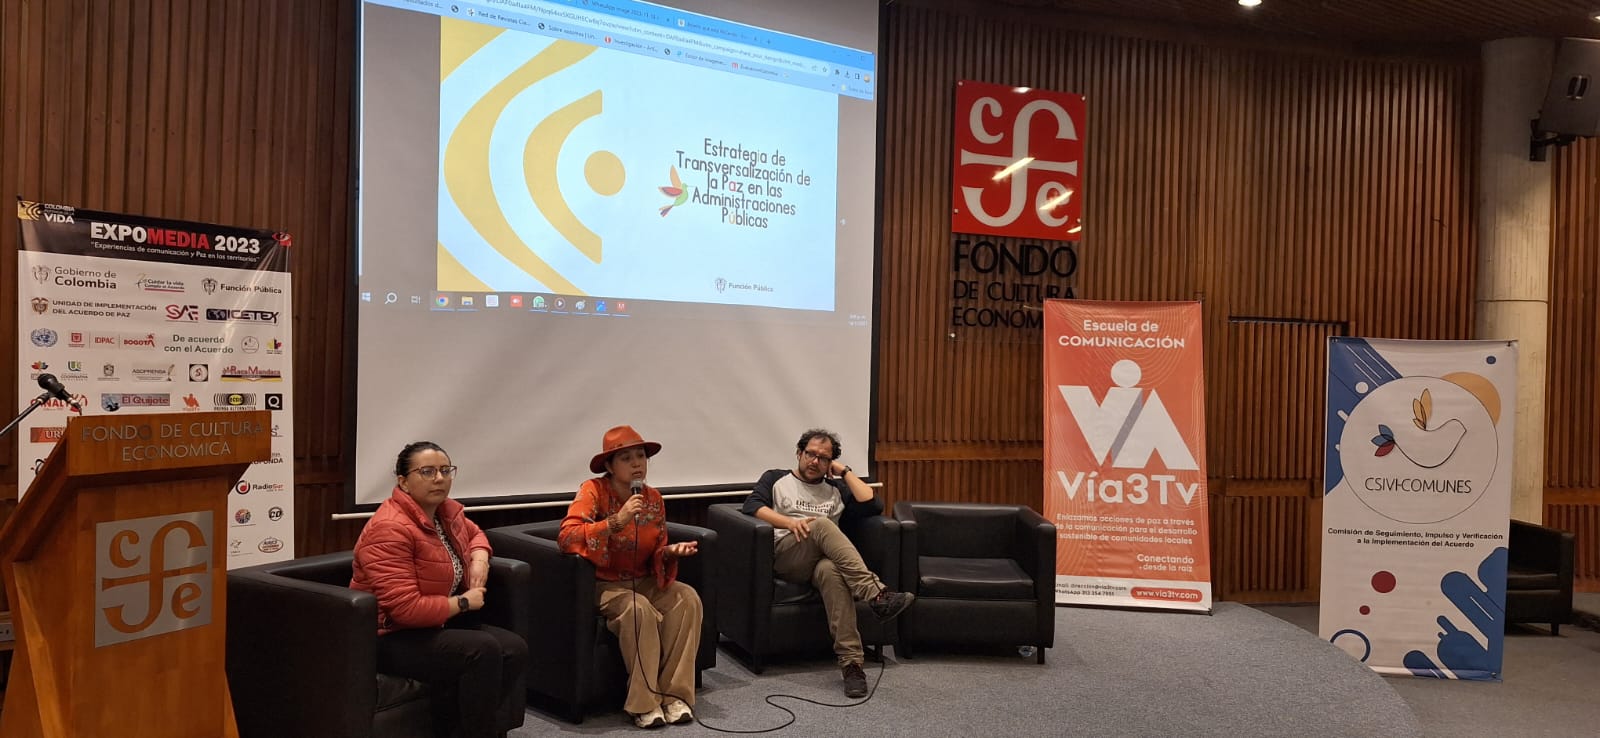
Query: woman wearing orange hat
column 619, row 524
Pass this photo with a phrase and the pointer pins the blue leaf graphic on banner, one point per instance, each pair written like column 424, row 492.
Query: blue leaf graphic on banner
column 1458, row 650
column 1355, row 368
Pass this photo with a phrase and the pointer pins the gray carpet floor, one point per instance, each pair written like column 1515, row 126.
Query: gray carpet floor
column 1237, row 673
column 1549, row 685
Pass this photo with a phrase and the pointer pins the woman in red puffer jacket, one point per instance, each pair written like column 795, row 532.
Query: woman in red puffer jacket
column 428, row 565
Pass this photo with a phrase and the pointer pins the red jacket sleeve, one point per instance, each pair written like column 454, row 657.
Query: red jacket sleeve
column 388, row 557
column 476, row 538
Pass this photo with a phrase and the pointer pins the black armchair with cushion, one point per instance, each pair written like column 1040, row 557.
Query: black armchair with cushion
column 983, row 575
column 302, row 652
column 764, row 616
column 574, row 661
column 1539, row 576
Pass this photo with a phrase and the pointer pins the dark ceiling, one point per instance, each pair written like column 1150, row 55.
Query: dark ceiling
column 1391, row 22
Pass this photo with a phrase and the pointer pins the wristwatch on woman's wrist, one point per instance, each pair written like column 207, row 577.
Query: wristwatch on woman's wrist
column 463, row 603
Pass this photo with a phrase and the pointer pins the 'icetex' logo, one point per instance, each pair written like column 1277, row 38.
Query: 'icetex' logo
column 1128, row 427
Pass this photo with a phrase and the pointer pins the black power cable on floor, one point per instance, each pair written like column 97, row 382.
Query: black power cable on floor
column 792, row 717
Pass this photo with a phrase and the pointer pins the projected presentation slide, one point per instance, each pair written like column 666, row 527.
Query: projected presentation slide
column 587, row 170
column 575, row 214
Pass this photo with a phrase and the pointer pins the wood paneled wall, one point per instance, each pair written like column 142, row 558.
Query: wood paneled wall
column 1295, row 191
column 1572, row 411
column 223, row 111
column 1299, row 195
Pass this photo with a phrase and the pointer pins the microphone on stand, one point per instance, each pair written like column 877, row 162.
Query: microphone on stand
column 49, row 383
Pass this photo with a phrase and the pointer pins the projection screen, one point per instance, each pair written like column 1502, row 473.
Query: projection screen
column 584, row 213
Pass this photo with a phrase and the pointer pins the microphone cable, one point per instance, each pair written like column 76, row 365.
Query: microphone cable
column 638, row 664
column 792, row 716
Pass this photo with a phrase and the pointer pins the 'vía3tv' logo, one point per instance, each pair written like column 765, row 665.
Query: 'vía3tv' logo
column 1128, row 428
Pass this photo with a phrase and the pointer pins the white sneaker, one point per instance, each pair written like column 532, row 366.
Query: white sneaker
column 677, row 712
column 651, row 719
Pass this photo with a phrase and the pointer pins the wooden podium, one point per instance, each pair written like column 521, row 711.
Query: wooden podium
column 115, row 566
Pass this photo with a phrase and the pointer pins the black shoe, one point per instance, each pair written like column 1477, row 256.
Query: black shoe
column 855, row 681
column 888, row 605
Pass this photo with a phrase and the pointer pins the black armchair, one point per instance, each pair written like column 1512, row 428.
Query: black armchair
column 573, row 659
column 763, row 615
column 302, row 652
column 983, row 575
column 1539, row 576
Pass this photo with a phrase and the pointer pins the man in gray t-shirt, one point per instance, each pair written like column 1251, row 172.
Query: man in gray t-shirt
column 804, row 506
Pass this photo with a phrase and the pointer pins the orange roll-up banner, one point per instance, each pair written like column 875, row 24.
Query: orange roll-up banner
column 1124, row 453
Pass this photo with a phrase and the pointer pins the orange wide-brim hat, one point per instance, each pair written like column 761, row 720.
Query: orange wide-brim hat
column 620, row 438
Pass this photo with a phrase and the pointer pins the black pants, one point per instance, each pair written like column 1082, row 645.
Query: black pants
column 483, row 666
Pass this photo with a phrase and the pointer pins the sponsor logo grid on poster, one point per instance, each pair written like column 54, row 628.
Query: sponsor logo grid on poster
column 139, row 315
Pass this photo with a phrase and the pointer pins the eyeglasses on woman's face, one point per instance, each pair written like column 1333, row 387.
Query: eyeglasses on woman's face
column 431, row 472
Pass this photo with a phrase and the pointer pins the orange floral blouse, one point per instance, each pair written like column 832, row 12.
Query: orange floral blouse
column 630, row 553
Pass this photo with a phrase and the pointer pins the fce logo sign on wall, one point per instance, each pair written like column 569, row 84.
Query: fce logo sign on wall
column 1018, row 162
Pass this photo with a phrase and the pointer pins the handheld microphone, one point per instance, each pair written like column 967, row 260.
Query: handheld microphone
column 49, row 383
column 633, row 487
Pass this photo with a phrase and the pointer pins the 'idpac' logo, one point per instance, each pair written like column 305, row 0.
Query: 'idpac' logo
column 152, row 576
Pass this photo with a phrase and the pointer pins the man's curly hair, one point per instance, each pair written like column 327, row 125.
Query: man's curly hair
column 833, row 438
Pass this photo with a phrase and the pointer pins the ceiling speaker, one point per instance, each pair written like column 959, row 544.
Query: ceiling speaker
column 1572, row 103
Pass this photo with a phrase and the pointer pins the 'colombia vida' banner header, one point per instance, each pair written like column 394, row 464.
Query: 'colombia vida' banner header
column 1124, row 453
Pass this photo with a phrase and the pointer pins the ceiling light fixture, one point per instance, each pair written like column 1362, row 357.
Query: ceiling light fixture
column 1249, row 3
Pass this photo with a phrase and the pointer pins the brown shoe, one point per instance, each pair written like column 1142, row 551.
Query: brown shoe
column 855, row 681
column 888, row 605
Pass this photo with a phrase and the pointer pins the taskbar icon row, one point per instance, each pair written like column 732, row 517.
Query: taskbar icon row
column 471, row 302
